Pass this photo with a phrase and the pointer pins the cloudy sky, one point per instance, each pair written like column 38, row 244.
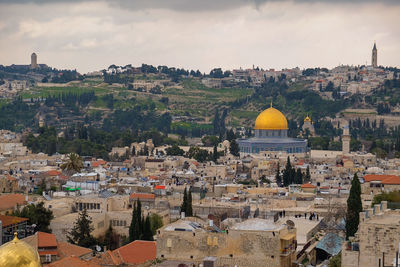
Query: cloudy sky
column 199, row 34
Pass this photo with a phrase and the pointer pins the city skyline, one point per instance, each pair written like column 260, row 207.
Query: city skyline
column 91, row 35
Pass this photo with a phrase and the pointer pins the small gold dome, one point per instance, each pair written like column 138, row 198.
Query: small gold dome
column 18, row 253
column 271, row 119
column 307, row 119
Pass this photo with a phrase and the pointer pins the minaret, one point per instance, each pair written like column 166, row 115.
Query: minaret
column 346, row 140
column 374, row 56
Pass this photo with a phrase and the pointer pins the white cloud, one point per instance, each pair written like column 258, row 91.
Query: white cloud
column 92, row 35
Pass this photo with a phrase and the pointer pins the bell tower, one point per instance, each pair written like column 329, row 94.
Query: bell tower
column 374, row 60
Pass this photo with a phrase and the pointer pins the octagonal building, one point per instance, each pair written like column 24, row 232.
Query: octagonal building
column 271, row 129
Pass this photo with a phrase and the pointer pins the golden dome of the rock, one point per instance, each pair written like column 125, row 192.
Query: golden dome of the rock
column 18, row 253
column 271, row 119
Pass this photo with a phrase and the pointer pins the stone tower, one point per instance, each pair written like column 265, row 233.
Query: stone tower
column 34, row 64
column 374, row 56
column 346, row 140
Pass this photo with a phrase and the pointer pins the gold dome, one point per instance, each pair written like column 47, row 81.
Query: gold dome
column 18, row 253
column 307, row 119
column 271, row 119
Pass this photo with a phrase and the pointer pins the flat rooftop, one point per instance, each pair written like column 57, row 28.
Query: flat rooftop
column 257, row 224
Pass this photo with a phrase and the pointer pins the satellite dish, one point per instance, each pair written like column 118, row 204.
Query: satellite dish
column 98, row 248
column 290, row 223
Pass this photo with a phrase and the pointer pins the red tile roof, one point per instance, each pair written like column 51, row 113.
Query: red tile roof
column 379, row 177
column 137, row 252
column 46, row 240
column 9, row 201
column 392, row 180
column 72, row 261
column 159, row 187
column 308, row 186
column 10, row 220
column 10, row 178
column 67, row 249
column 142, row 196
column 53, row 173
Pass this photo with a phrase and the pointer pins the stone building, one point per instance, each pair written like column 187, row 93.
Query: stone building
column 308, row 125
column 374, row 61
column 376, row 241
column 254, row 242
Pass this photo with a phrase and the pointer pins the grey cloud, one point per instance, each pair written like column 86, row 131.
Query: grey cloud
column 196, row 5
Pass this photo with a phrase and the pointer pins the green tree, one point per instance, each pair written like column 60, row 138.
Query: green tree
column 174, row 150
column 278, row 178
column 184, row 202
column 111, row 239
column 81, row 233
column 307, row 177
column 234, row 148
column 215, row 154
column 299, row 177
column 73, row 164
column 335, row 261
column 135, row 229
column 147, row 233
column 354, row 207
column 189, row 208
column 38, row 215
column 156, row 222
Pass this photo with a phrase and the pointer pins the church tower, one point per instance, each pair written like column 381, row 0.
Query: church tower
column 374, row 56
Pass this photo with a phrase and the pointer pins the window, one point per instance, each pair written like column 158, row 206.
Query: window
column 48, row 258
column 98, row 206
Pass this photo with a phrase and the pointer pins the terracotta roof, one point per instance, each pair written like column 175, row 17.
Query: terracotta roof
column 10, row 220
column 9, row 201
column 67, row 249
column 98, row 163
column 72, row 261
column 46, row 240
column 53, row 173
column 137, row 252
column 152, row 177
column 308, row 186
column 107, row 259
column 10, row 178
column 159, row 187
column 142, row 196
column 391, row 180
column 378, row 177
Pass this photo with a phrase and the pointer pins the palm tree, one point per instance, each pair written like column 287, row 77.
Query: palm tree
column 73, row 164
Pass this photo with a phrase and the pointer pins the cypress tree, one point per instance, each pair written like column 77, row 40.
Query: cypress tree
column 136, row 227
column 354, row 207
column 299, row 177
column 215, row 153
column 278, row 178
column 189, row 208
column 307, row 178
column 184, row 202
column 287, row 173
column 234, row 148
column 147, row 233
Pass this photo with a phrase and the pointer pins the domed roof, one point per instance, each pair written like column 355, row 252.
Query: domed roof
column 307, row 119
column 18, row 253
column 271, row 119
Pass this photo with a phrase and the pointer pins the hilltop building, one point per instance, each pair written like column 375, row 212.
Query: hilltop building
column 374, row 60
column 34, row 64
column 271, row 129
